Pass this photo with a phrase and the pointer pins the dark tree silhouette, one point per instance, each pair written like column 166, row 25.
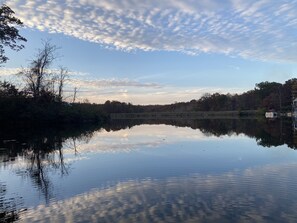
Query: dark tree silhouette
column 9, row 34
column 8, row 90
column 38, row 77
column 61, row 78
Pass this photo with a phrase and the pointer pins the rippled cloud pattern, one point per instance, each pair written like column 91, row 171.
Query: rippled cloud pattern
column 261, row 29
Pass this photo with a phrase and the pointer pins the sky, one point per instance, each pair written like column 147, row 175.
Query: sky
column 160, row 52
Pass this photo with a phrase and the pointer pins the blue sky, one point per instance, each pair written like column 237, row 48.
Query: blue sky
column 157, row 52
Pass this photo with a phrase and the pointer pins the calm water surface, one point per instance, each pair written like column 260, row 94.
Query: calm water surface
column 151, row 171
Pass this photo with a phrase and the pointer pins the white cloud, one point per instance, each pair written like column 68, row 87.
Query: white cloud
column 12, row 71
column 124, row 90
column 103, row 83
column 7, row 72
column 129, row 140
column 250, row 29
column 144, row 96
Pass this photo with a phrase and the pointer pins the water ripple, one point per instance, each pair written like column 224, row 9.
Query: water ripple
column 262, row 194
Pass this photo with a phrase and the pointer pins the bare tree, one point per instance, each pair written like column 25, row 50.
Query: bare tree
column 74, row 95
column 61, row 78
column 38, row 77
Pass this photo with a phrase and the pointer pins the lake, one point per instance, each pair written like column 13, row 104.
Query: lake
column 231, row 170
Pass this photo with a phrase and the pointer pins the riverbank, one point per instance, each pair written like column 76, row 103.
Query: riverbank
column 188, row 115
column 27, row 110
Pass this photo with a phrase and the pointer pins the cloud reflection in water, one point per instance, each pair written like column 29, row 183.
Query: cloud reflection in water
column 144, row 136
column 263, row 194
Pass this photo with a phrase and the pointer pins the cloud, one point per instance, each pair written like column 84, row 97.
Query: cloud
column 132, row 139
column 103, row 83
column 114, row 89
column 82, row 80
column 6, row 72
column 12, row 71
column 125, row 90
column 153, row 95
column 257, row 29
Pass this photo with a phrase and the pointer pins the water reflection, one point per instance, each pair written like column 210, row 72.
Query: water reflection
column 266, row 194
column 35, row 154
column 9, row 208
column 267, row 132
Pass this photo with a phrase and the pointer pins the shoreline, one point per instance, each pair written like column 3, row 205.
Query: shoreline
column 187, row 115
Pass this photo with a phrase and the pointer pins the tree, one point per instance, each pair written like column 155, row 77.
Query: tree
column 38, row 77
column 61, row 78
column 74, row 95
column 8, row 90
column 9, row 34
column 41, row 81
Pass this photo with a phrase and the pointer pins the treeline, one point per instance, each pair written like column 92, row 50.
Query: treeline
column 19, row 106
column 264, row 97
column 48, row 107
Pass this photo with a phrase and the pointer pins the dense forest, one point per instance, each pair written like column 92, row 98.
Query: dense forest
column 265, row 96
column 17, row 105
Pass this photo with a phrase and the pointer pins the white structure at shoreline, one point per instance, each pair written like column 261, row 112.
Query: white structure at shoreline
column 294, row 108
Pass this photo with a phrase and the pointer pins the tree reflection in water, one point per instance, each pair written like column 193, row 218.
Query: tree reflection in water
column 42, row 152
column 9, row 208
column 267, row 132
column 41, row 148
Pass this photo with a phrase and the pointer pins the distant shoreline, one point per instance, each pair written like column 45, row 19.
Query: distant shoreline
column 187, row 115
